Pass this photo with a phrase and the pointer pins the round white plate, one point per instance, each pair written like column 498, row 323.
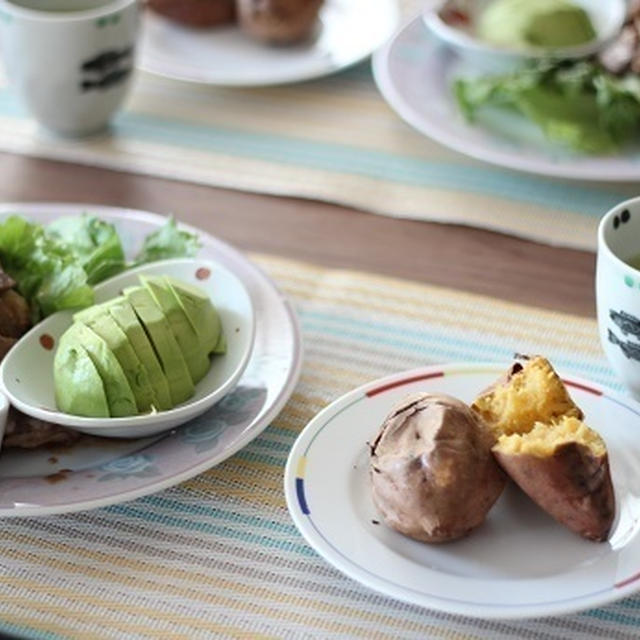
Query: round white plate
column 35, row 395
column 519, row 563
column 348, row 31
column 96, row 472
column 414, row 74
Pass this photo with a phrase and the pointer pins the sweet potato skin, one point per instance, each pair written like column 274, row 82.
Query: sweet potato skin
column 278, row 22
column 200, row 14
column 572, row 485
column 433, row 476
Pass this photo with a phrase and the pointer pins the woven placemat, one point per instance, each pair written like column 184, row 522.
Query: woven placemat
column 219, row 556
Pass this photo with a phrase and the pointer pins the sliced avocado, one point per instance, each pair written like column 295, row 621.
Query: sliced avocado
column 92, row 312
column 173, row 364
column 124, row 315
column 120, row 397
column 107, row 328
column 188, row 340
column 78, row 386
column 201, row 313
column 221, row 345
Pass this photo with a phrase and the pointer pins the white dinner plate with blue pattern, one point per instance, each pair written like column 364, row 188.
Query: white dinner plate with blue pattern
column 96, row 472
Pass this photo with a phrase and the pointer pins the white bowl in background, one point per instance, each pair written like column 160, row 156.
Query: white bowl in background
column 607, row 19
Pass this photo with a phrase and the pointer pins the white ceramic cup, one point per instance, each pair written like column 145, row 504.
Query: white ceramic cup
column 618, row 291
column 71, row 61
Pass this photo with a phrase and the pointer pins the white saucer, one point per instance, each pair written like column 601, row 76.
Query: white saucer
column 96, row 472
column 348, row 32
column 519, row 563
column 414, row 73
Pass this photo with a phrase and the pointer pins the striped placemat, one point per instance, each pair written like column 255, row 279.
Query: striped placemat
column 218, row 556
column 333, row 139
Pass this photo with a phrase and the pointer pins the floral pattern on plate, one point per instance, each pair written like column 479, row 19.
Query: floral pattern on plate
column 139, row 465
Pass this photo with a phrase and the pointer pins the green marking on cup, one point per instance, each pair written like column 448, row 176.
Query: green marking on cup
column 628, row 280
column 102, row 22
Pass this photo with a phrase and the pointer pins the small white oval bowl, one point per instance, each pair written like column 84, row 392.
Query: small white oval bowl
column 26, row 373
column 607, row 19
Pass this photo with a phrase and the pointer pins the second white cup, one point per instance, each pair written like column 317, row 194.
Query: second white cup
column 71, row 61
column 618, row 291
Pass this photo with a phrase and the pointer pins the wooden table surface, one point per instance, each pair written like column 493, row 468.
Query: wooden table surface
column 448, row 255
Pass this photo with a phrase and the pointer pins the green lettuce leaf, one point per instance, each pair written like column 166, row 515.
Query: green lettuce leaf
column 168, row 242
column 94, row 244
column 55, row 266
column 576, row 104
column 45, row 271
column 64, row 287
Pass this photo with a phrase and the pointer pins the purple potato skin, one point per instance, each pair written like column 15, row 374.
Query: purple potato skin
column 433, row 476
column 572, row 485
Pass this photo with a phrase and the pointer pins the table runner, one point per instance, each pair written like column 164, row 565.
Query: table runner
column 333, row 139
column 219, row 555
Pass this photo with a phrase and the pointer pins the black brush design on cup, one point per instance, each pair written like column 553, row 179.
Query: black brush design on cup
column 627, row 323
column 630, row 349
column 623, row 218
column 107, row 69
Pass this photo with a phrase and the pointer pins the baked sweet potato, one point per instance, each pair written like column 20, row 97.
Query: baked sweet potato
column 531, row 391
column 564, row 468
column 433, row 476
column 201, row 14
column 278, row 22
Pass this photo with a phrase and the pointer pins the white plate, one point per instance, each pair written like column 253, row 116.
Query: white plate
column 414, row 74
column 98, row 472
column 519, row 563
column 35, row 395
column 348, row 32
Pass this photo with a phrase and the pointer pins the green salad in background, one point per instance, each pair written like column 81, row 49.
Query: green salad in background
column 590, row 105
column 578, row 104
column 55, row 266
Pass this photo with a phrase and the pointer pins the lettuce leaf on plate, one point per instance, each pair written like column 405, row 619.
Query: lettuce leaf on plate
column 577, row 104
column 55, row 266
column 46, row 273
column 167, row 242
column 94, row 245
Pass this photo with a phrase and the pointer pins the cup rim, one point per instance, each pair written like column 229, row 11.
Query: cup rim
column 603, row 246
column 109, row 7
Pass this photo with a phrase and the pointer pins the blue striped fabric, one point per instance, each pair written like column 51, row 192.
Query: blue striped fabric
column 218, row 556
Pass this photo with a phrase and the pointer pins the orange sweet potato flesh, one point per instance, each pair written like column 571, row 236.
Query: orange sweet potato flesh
column 544, row 446
column 529, row 392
